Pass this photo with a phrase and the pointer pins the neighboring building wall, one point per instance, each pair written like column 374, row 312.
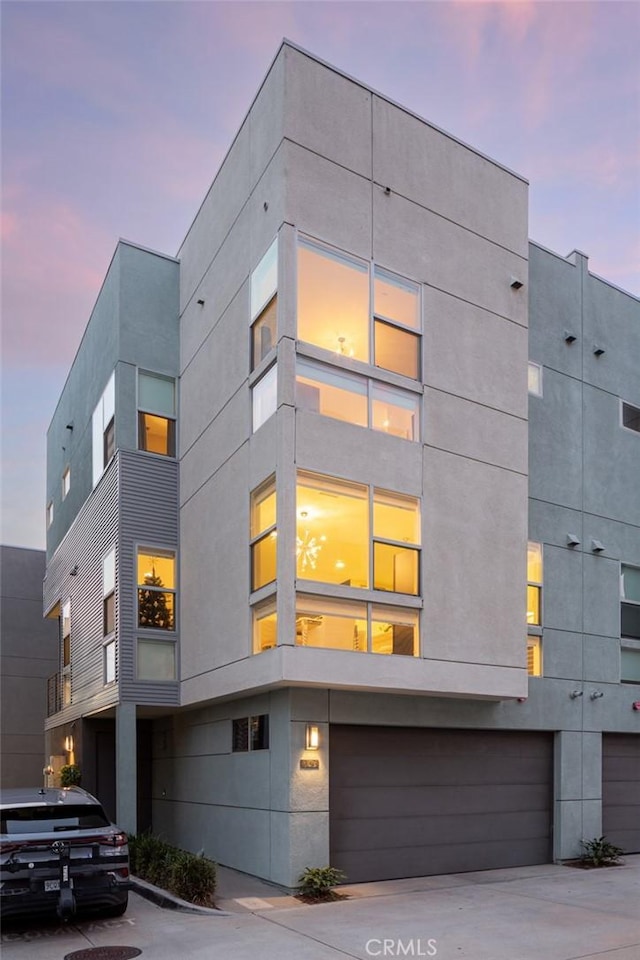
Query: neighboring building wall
column 29, row 655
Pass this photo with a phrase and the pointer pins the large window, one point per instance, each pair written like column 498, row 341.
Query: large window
column 359, row 627
column 156, row 660
column 263, row 535
column 103, row 430
column 264, row 305
column 345, row 396
column 156, row 589
column 534, row 583
column 341, row 310
column 354, row 535
column 156, row 414
column 265, row 627
column 630, row 602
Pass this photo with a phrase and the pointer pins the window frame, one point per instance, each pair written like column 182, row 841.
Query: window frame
column 535, row 629
column 65, row 652
column 148, row 410
column 103, row 438
column 265, row 304
column 628, row 602
column 167, row 643
column 253, row 733
column 264, row 490
column 108, row 592
column 166, row 553
column 66, row 482
column 636, row 410
column 271, row 371
column 108, row 646
column 371, row 267
column 534, row 642
column 310, row 607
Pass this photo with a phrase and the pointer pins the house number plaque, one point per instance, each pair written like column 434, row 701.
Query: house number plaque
column 309, row 764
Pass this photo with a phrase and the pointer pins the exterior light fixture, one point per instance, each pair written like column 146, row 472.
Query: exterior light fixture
column 516, row 283
column 313, row 737
column 572, row 540
column 597, row 694
column 569, row 337
column 576, row 693
column 597, row 546
column 68, row 744
column 598, row 351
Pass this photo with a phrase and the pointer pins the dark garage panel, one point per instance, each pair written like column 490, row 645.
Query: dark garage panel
column 408, row 802
column 621, row 790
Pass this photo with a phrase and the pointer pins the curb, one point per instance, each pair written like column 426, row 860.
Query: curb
column 168, row 901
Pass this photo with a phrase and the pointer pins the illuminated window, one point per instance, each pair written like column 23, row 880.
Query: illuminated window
column 534, row 656
column 358, row 627
column 264, row 535
column 535, row 379
column 265, row 628
column 333, row 301
column 336, row 310
column 66, row 482
column 66, row 653
column 534, row 583
column 109, row 592
column 156, row 414
column 103, row 430
column 156, row 589
column 264, row 397
column 333, row 540
column 345, row 396
column 156, row 660
column 264, row 305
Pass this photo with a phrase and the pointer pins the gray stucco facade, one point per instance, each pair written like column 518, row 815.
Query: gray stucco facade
column 355, row 496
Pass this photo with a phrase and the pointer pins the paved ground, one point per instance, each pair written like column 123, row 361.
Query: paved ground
column 529, row 913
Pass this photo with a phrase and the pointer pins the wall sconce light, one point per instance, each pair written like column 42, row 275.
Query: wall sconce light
column 597, row 694
column 68, row 744
column 569, row 337
column 598, row 351
column 313, row 737
column 597, row 546
column 572, row 540
column 576, row 693
column 516, row 283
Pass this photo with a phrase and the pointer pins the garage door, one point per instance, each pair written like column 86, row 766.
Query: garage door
column 621, row 790
column 405, row 802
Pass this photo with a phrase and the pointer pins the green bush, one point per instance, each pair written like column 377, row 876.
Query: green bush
column 70, row 775
column 184, row 874
column 600, row 853
column 192, row 878
column 316, row 883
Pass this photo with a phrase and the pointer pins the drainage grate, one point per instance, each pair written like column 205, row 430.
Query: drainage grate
column 104, row 953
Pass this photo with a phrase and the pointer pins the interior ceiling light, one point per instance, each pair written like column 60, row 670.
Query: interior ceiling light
column 307, row 550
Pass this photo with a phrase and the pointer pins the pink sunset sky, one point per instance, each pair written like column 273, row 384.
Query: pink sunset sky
column 116, row 116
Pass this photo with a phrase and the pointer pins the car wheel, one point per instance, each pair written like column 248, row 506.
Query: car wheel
column 118, row 910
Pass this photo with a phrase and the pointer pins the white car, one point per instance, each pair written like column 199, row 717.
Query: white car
column 59, row 852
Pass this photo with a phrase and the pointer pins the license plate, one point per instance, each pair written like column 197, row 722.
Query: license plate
column 50, row 885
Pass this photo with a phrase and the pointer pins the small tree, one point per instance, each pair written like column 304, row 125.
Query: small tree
column 70, row 775
column 153, row 609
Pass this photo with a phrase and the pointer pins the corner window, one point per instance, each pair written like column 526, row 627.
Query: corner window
column 264, row 305
column 49, row 513
column 340, row 311
column 630, row 417
column 629, row 665
column 534, row 583
column 335, row 393
column 630, row 602
column 264, row 397
column 66, row 482
column 264, row 535
column 156, row 414
column 250, row 733
column 156, row 589
column 352, row 535
column 156, row 660
column 535, row 379
column 265, row 627
column 534, row 656
column 358, row 627
column 109, row 592
column 66, row 653
column 103, row 430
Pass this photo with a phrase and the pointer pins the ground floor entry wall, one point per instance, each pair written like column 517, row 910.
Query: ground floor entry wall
column 415, row 802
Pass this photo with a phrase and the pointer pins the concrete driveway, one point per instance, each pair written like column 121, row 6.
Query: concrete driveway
column 529, row 913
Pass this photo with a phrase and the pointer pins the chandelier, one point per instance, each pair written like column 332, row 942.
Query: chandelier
column 307, row 549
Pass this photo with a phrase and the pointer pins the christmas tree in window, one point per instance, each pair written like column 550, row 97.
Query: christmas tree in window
column 155, row 608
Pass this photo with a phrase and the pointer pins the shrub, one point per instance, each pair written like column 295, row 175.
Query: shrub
column 192, row 878
column 316, row 883
column 600, row 853
column 70, row 775
column 188, row 876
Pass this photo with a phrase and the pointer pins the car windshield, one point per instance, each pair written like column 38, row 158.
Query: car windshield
column 48, row 819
